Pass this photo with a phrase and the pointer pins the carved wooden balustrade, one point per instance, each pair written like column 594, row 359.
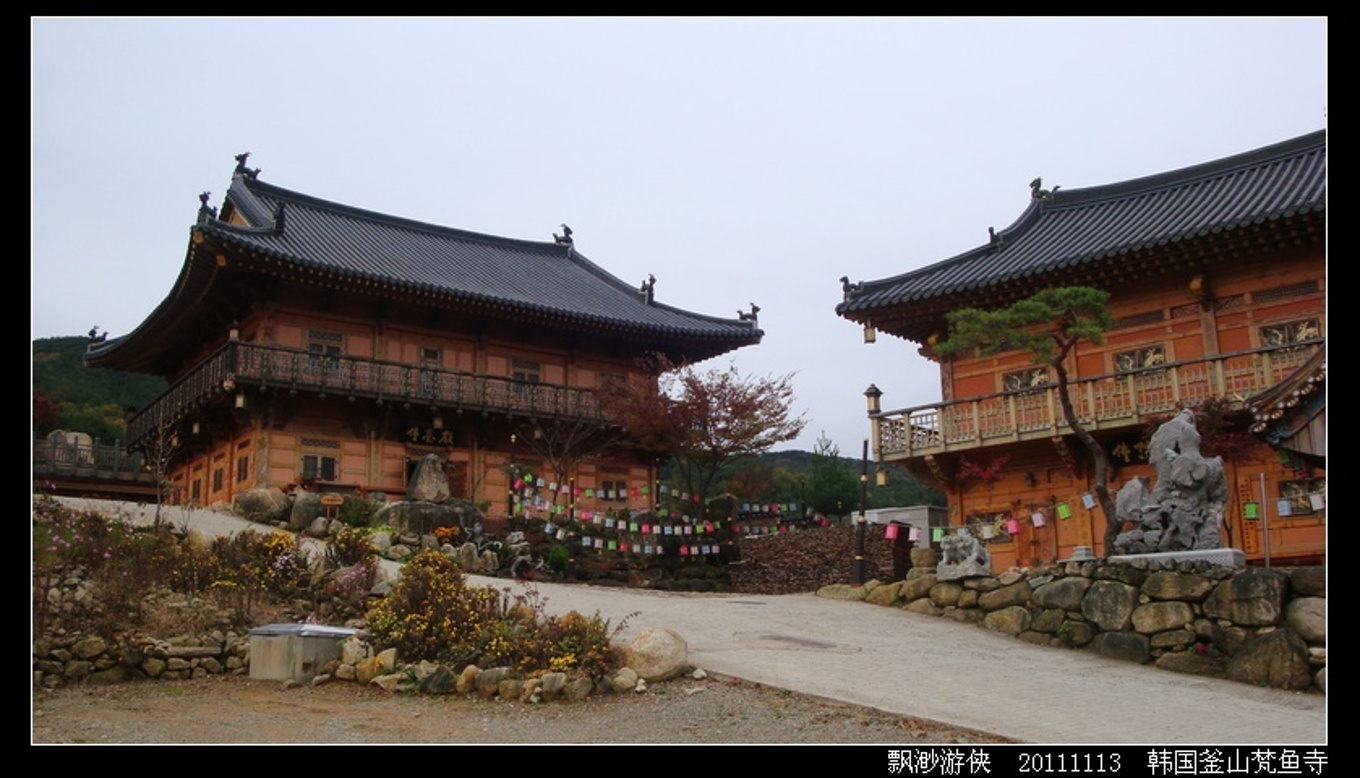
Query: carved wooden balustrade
column 237, row 366
column 1101, row 402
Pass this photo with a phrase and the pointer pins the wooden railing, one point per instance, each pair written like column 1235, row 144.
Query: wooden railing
column 1102, row 402
column 68, row 456
column 238, row 366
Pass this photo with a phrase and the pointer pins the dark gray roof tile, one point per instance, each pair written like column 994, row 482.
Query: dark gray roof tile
column 1080, row 226
column 527, row 276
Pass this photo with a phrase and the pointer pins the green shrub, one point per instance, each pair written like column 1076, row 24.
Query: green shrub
column 558, row 558
column 356, row 511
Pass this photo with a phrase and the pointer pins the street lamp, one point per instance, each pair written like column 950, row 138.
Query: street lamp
column 861, row 523
column 802, row 497
column 872, row 394
column 510, row 478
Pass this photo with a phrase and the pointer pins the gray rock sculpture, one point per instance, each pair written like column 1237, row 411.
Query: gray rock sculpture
column 429, row 483
column 963, row 557
column 1184, row 510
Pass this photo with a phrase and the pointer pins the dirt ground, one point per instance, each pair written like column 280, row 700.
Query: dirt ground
column 238, row 710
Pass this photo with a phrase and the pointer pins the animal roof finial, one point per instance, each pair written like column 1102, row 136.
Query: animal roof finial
column 848, row 289
column 565, row 238
column 241, row 169
column 1037, row 192
column 205, row 212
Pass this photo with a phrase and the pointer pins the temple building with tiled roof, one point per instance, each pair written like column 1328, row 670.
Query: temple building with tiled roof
column 314, row 344
column 1217, row 281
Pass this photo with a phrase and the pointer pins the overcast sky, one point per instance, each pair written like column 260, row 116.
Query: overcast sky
column 738, row 160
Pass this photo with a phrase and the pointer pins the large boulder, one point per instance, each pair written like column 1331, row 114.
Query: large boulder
column 1309, row 581
column 1063, row 594
column 429, row 482
column 306, row 507
column 657, row 655
column 1252, row 598
column 259, row 504
column 423, row 517
column 1308, row 617
column 1110, row 605
column 1278, row 658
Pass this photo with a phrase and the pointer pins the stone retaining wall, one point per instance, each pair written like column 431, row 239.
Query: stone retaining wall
column 1265, row 627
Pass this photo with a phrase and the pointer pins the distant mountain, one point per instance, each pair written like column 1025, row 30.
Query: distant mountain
column 90, row 400
column 788, row 477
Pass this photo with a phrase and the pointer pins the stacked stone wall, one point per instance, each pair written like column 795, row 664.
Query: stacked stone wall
column 1255, row 625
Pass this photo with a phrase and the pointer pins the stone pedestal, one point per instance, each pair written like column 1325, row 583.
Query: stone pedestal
column 1226, row 557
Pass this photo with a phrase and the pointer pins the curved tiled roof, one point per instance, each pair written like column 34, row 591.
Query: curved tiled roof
column 1071, row 229
column 543, row 281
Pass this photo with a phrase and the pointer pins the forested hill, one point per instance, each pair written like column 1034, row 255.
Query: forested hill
column 91, row 400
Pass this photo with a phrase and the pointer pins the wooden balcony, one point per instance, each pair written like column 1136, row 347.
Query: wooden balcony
column 1102, row 403
column 83, row 469
column 239, row 366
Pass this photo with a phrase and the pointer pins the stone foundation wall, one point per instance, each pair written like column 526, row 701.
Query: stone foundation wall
column 1265, row 627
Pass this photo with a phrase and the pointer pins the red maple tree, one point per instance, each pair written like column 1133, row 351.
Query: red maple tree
column 704, row 420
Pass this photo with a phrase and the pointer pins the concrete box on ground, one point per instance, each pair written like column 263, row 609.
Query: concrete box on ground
column 281, row 652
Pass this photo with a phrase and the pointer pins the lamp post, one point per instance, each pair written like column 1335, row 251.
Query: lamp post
column 510, row 477
column 861, row 522
column 802, row 499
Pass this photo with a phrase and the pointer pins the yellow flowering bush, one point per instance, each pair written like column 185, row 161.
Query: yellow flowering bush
column 432, row 614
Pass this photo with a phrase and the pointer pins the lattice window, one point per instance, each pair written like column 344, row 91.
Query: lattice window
column 1289, row 333
column 1298, row 496
column 324, row 349
column 318, row 468
column 1189, row 310
column 1029, row 378
column 989, row 526
column 613, row 490
column 1139, row 319
column 1285, row 292
column 1139, row 358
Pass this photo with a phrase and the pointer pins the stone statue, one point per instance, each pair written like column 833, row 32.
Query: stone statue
column 1184, row 510
column 963, row 556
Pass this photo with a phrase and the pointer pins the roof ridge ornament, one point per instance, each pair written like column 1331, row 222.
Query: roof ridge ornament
column 752, row 317
column 1037, row 192
column 205, row 212
column 648, row 289
column 565, row 238
column 241, row 170
column 848, row 289
column 993, row 238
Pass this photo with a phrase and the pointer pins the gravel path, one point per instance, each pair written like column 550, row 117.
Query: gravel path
column 236, row 709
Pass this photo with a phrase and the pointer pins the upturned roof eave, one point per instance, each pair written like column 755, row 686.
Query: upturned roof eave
column 739, row 333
